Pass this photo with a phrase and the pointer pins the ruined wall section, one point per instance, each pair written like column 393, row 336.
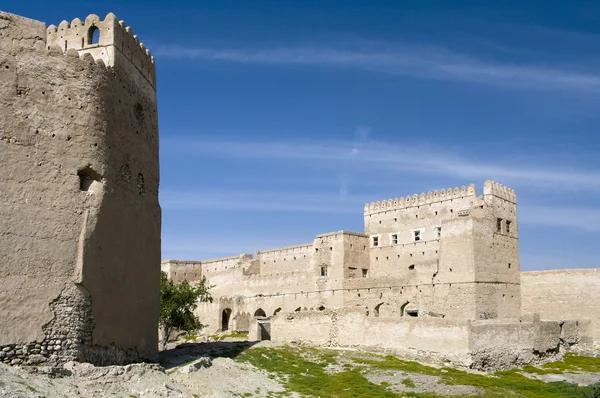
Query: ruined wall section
column 180, row 270
column 563, row 295
column 79, row 196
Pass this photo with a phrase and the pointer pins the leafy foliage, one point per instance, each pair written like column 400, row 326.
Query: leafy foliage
column 177, row 304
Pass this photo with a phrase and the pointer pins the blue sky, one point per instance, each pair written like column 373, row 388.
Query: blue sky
column 280, row 119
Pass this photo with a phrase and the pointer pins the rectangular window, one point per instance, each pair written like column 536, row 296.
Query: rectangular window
column 439, row 232
column 417, row 235
column 499, row 225
column 323, row 271
column 375, row 241
column 508, row 227
column 365, row 273
column 394, row 239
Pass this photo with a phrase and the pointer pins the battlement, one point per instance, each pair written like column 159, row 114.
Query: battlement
column 500, row 191
column 422, row 199
column 114, row 39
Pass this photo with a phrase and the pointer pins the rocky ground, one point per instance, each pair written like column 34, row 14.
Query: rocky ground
column 242, row 369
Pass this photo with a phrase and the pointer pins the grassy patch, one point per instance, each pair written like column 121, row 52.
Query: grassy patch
column 189, row 337
column 572, row 363
column 303, row 370
column 221, row 337
column 409, row 383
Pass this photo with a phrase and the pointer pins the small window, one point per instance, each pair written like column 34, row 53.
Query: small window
column 508, row 226
column 365, row 272
column 323, row 271
column 394, row 239
column 413, row 313
column 375, row 241
column 417, row 235
column 439, row 232
column 411, row 267
column 499, row 225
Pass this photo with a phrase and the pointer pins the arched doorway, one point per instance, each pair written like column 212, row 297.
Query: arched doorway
column 225, row 317
column 260, row 313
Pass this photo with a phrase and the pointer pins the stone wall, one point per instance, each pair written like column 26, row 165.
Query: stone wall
column 482, row 345
column 79, row 205
column 563, row 295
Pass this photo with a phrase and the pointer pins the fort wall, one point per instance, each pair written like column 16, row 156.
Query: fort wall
column 482, row 345
column 79, row 211
column 562, row 295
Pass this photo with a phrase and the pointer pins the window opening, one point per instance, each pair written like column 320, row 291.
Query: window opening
column 323, row 271
column 508, row 226
column 93, row 35
column 439, row 232
column 365, row 272
column 417, row 235
column 499, row 225
column 394, row 239
column 375, row 241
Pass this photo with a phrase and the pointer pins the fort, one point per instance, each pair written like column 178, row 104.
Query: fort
column 434, row 275
column 79, row 212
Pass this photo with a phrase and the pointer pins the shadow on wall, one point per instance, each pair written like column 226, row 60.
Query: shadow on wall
column 188, row 352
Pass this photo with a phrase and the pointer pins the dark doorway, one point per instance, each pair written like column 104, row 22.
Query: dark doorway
column 259, row 313
column 225, row 316
column 265, row 330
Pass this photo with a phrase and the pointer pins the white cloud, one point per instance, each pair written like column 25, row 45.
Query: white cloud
column 415, row 61
column 393, row 159
column 256, row 200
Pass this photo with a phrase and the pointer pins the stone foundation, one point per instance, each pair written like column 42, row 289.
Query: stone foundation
column 68, row 336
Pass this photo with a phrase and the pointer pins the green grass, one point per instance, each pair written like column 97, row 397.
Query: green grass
column 303, row 371
column 572, row 363
column 221, row 337
column 409, row 383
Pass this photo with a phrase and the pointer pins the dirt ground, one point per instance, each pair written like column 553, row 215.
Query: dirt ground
column 208, row 370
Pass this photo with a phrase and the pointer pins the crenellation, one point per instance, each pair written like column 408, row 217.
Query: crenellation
column 420, row 199
column 115, row 39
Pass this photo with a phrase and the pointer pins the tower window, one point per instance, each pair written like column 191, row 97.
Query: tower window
column 499, row 225
column 375, row 241
column 394, row 239
column 323, row 271
column 508, row 226
column 417, row 235
column 439, row 232
column 365, row 273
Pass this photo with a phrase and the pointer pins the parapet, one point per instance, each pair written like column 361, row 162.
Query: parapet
column 500, row 191
column 114, row 38
column 422, row 199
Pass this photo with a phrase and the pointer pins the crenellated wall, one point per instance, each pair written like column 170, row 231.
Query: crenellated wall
column 79, row 211
column 115, row 40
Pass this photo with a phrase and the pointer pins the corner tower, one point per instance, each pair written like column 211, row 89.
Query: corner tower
column 79, row 212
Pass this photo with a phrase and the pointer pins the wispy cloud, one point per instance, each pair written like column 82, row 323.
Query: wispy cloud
column 253, row 200
column 424, row 160
column 428, row 62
